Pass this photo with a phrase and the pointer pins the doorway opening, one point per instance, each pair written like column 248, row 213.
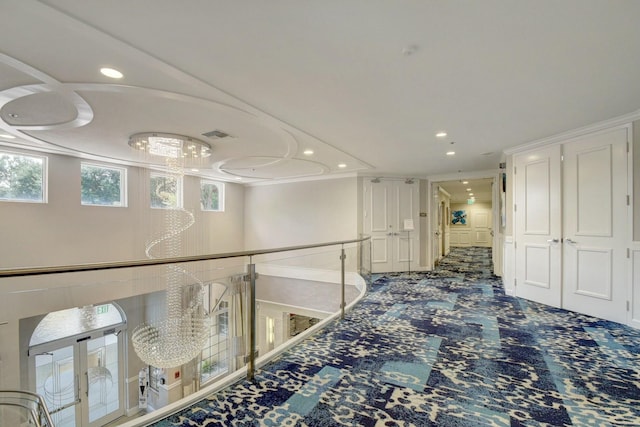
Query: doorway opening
column 466, row 214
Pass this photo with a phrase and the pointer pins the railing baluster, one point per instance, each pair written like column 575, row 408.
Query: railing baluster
column 343, row 257
column 251, row 366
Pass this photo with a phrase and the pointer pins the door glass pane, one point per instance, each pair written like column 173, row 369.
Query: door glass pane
column 56, row 382
column 102, row 376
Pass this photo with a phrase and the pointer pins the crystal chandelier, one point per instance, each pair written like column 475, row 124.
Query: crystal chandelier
column 170, row 145
column 180, row 335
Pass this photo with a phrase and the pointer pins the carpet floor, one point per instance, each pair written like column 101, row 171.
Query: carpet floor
column 442, row 348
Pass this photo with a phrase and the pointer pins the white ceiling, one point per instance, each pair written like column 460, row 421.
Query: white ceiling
column 367, row 83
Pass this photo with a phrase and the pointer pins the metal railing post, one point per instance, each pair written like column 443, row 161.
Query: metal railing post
column 343, row 257
column 251, row 365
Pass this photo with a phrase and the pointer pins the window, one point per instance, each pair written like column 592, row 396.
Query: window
column 211, row 196
column 215, row 354
column 166, row 191
column 103, row 186
column 22, row 178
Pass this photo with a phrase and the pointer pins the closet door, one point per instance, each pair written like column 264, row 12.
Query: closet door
column 538, row 226
column 595, row 224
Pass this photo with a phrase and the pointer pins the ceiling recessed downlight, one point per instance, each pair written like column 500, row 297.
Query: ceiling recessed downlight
column 468, row 189
column 342, row 165
column 465, row 182
column 451, row 153
column 308, row 152
column 7, row 136
column 441, row 134
column 111, row 73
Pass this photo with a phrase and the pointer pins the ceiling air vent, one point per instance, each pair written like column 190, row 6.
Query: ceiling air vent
column 216, row 134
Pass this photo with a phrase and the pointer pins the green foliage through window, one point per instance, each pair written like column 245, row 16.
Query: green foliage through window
column 211, row 196
column 21, row 178
column 164, row 191
column 102, row 186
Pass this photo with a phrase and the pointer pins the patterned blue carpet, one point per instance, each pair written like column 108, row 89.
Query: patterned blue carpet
column 443, row 348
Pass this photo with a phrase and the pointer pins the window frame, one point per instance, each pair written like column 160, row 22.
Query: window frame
column 123, row 184
column 221, row 195
column 179, row 190
column 44, row 182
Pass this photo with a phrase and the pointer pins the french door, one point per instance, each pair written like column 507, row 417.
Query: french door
column 80, row 378
column 391, row 219
column 571, row 224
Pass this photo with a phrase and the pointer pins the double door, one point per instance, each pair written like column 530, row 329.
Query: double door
column 80, row 378
column 571, row 224
column 391, row 219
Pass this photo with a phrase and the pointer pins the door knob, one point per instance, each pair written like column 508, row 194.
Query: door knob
column 553, row 241
column 573, row 242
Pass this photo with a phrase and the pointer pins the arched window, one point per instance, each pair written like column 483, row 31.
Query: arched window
column 211, row 196
column 75, row 321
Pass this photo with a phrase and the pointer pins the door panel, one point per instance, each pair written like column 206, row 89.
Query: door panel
column 595, row 188
column 537, row 268
column 57, row 381
column 538, row 226
column 380, row 253
column 103, row 388
column 379, row 208
column 594, row 273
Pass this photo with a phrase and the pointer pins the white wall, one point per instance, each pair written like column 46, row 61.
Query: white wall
column 300, row 213
column 63, row 232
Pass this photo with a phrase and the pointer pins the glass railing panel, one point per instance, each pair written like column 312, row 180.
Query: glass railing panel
column 95, row 371
column 85, row 357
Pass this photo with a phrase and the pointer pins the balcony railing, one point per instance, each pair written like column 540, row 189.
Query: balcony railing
column 263, row 300
column 23, row 408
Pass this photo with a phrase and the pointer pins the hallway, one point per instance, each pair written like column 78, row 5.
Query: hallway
column 442, row 348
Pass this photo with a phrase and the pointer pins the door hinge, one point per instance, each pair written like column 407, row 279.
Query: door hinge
column 628, row 200
column 627, row 305
column 515, row 207
column 627, row 146
column 562, row 158
column 515, row 245
column 515, row 282
column 515, row 170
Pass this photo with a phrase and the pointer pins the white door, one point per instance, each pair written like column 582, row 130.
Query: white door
column 390, row 218
column 595, row 224
column 481, row 227
column 538, row 226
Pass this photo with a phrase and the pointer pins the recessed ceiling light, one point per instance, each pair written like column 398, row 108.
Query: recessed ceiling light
column 451, row 153
column 308, row 152
column 195, row 170
column 468, row 189
column 441, row 134
column 7, row 136
column 465, row 182
column 111, row 73
column 342, row 165
column 471, row 194
column 238, row 178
